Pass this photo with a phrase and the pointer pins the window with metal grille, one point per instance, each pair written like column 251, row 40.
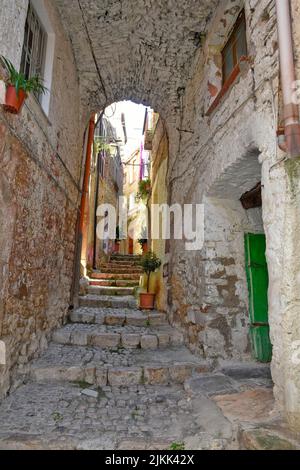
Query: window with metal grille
column 34, row 47
column 235, row 48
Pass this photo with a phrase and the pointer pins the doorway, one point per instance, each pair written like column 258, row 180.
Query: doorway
column 258, row 282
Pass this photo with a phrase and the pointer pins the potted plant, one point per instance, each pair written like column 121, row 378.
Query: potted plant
column 150, row 263
column 18, row 87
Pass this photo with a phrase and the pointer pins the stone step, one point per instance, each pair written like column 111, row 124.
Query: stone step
column 126, row 367
column 128, row 337
column 272, row 437
column 114, row 283
column 116, row 270
column 244, row 370
column 118, row 291
column 119, row 276
column 119, row 317
column 135, row 258
column 101, row 301
column 121, row 264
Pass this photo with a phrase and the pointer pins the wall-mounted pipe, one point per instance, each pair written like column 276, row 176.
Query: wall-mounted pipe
column 83, row 229
column 288, row 78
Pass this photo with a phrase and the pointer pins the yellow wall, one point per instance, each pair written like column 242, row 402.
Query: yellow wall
column 159, row 167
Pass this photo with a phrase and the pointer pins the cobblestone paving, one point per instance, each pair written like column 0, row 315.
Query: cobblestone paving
column 119, row 378
column 59, row 416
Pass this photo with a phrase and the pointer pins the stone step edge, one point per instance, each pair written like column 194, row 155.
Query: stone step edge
column 113, row 277
column 148, row 374
column 108, row 340
column 110, row 289
column 117, row 303
column 118, row 319
column 114, row 283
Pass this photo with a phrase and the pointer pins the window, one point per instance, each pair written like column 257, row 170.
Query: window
column 39, row 48
column 235, row 48
column 34, row 47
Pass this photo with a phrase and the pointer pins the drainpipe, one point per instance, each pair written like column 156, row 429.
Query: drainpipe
column 85, row 191
column 291, row 141
column 100, row 120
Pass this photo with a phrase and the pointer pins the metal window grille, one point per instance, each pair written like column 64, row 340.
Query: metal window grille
column 34, row 47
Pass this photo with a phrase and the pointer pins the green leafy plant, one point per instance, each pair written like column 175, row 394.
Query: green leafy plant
column 20, row 82
column 57, row 417
column 177, row 446
column 150, row 263
column 142, row 241
column 144, row 191
column 101, row 145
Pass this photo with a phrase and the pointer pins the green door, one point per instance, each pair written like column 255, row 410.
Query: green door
column 258, row 280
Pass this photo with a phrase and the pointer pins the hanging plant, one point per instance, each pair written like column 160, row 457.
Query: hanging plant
column 18, row 87
column 144, row 191
column 101, row 145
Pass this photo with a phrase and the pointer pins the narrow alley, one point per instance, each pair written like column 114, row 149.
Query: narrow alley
column 149, row 205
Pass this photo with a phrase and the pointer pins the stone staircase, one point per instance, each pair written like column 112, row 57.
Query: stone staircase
column 110, row 342
column 116, row 377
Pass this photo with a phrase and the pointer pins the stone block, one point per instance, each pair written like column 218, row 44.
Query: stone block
column 157, row 319
column 72, row 374
column 101, row 376
column 106, row 340
column 136, row 320
column 115, row 319
column 179, row 372
column 62, row 336
column 79, row 338
column 90, row 393
column 124, row 376
column 42, row 374
column 130, row 340
column 98, row 319
column 149, row 342
column 90, row 374
column 77, row 316
column 155, row 375
column 177, row 338
column 163, row 340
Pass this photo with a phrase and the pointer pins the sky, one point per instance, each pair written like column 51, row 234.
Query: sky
column 134, row 117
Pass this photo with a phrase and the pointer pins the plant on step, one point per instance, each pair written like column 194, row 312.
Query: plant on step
column 18, row 87
column 150, row 263
column 177, row 446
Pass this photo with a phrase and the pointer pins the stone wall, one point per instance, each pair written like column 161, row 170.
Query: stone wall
column 218, row 161
column 159, row 159
column 39, row 194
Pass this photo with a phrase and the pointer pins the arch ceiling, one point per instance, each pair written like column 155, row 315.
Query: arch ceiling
column 139, row 50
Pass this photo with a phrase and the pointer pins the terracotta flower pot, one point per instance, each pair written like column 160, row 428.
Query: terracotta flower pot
column 14, row 101
column 147, row 301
